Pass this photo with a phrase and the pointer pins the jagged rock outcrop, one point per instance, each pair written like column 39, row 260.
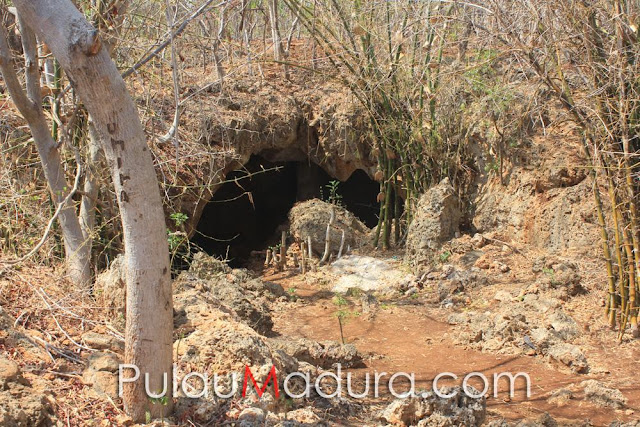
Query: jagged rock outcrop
column 436, row 219
column 20, row 404
column 429, row 409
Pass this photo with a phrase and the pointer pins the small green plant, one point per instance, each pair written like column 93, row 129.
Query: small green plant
column 340, row 301
column 275, row 248
column 164, row 400
column 334, row 197
column 444, row 256
column 292, row 294
column 179, row 218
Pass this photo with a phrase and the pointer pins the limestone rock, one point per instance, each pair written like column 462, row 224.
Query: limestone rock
column 20, row 404
column 202, row 287
column 430, row 409
column 325, row 354
column 598, row 393
column 102, row 373
column 98, row 341
column 436, row 219
column 310, row 219
column 569, row 355
column 110, row 289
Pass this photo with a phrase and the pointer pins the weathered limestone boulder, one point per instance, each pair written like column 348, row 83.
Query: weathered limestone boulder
column 20, row 404
column 98, row 341
column 210, row 282
column 102, row 374
column 436, row 219
column 569, row 355
column 325, row 354
column 601, row 395
column 110, row 289
column 310, row 218
column 430, row 410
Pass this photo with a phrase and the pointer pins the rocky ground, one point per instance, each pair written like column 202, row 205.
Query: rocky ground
column 461, row 303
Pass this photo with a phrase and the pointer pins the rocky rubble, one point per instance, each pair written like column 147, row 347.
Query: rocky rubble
column 603, row 396
column 429, row 409
column 102, row 373
column 20, row 404
column 209, row 281
column 531, row 322
column 325, row 354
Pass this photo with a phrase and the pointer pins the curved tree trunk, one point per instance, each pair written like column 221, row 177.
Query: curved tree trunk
column 29, row 103
column 77, row 47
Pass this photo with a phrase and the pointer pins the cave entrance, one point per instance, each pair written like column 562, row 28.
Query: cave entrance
column 245, row 212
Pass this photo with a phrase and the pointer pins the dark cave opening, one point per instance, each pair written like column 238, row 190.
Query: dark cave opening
column 245, row 212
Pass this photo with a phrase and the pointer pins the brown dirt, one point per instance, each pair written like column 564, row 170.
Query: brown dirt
column 410, row 336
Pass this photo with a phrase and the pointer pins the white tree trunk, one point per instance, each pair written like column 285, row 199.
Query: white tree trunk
column 77, row 47
column 91, row 185
column 29, row 103
column 275, row 30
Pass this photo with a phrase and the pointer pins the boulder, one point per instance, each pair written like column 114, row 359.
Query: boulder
column 601, row 395
column 310, row 219
column 569, row 355
column 227, row 344
column 325, row 354
column 110, row 290
column 20, row 404
column 102, row 374
column 429, row 409
column 436, row 219
column 209, row 284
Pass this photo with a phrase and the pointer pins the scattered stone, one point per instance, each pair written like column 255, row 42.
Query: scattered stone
column 598, row 393
column 305, row 416
column 503, row 296
column 560, row 397
column 98, row 341
column 325, row 354
column 569, row 355
column 436, row 219
column 250, row 417
column 206, row 411
column 369, row 304
column 9, row 371
column 542, row 338
column 503, row 268
column 101, row 374
column 429, row 409
column 107, row 362
column 124, row 420
column 563, row 324
column 478, row 241
column 545, row 420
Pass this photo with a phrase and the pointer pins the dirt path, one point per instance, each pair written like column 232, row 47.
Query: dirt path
column 410, row 337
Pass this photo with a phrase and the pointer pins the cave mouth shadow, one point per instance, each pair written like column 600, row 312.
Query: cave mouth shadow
column 246, row 212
